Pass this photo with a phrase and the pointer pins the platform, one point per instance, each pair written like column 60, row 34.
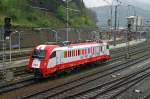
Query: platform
column 134, row 42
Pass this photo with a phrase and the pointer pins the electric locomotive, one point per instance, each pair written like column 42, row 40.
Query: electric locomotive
column 49, row 58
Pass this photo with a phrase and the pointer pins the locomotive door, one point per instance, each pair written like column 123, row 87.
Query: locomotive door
column 52, row 60
column 58, row 57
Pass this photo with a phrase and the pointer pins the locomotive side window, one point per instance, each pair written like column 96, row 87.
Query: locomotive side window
column 65, row 54
column 107, row 46
column 88, row 50
column 94, row 50
column 84, row 51
column 97, row 50
column 53, row 55
column 78, row 52
column 101, row 48
column 69, row 53
column 73, row 53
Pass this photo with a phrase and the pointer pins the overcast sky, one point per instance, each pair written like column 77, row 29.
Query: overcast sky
column 96, row 3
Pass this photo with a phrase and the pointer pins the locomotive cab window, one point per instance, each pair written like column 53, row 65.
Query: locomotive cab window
column 53, row 55
column 40, row 54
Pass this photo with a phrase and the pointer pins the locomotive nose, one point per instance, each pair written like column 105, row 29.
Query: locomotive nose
column 36, row 63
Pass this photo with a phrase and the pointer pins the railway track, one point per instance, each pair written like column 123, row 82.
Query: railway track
column 147, row 97
column 63, row 91
column 15, row 56
column 112, row 89
column 131, row 48
column 17, row 71
column 21, row 70
column 27, row 82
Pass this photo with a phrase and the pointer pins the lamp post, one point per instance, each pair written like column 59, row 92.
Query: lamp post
column 111, row 17
column 136, row 17
column 116, row 6
column 67, row 12
column 127, row 38
column 127, row 56
column 19, row 43
column 10, row 47
column 56, row 35
column 111, row 12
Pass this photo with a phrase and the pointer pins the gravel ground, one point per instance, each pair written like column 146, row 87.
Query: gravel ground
column 139, row 91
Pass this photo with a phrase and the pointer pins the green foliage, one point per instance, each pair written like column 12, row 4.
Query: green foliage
column 23, row 13
column 82, row 21
column 61, row 13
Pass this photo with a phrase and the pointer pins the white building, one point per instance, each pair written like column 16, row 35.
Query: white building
column 137, row 23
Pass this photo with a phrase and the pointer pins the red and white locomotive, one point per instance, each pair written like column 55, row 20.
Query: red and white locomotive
column 49, row 58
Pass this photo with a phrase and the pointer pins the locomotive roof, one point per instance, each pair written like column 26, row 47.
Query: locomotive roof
column 79, row 46
column 71, row 46
column 46, row 47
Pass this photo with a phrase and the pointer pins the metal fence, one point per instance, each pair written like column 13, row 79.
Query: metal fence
column 26, row 38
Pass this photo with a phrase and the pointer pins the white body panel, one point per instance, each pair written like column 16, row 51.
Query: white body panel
column 99, row 49
column 52, row 62
column 59, row 56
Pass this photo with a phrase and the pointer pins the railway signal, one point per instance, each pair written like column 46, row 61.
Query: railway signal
column 7, row 27
column 7, row 74
column 128, row 40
